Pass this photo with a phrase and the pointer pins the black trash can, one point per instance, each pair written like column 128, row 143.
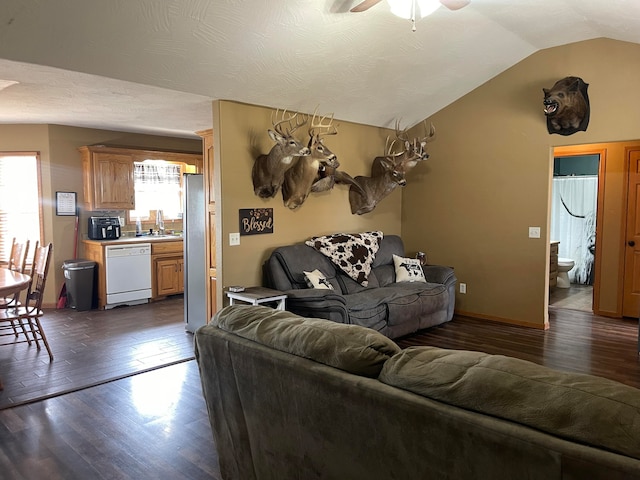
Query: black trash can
column 80, row 276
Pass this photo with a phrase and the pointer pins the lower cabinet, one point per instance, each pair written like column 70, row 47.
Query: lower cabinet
column 168, row 268
column 169, row 276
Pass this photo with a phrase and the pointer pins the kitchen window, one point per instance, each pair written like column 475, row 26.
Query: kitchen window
column 20, row 209
column 158, row 186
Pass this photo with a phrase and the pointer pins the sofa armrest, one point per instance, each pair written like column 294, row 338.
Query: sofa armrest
column 447, row 277
column 315, row 294
column 439, row 274
column 318, row 303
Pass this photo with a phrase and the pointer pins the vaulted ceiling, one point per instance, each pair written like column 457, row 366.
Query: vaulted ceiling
column 154, row 66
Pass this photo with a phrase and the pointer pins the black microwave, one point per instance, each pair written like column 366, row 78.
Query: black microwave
column 104, row 228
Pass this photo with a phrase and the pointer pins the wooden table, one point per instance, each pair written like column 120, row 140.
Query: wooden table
column 11, row 283
column 258, row 295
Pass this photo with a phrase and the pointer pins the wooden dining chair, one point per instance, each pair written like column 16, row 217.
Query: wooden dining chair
column 18, row 257
column 17, row 263
column 28, row 315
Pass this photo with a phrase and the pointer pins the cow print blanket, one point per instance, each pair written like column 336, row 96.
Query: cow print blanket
column 353, row 253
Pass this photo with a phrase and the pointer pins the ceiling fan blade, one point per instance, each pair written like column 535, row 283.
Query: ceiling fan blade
column 455, row 4
column 366, row 5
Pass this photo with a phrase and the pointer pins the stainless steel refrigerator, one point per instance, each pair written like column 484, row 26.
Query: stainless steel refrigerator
column 195, row 265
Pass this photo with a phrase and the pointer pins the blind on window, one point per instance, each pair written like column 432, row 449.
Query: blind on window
column 19, row 206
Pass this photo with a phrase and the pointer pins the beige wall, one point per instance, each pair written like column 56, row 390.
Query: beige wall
column 468, row 206
column 61, row 171
column 489, row 176
column 240, row 135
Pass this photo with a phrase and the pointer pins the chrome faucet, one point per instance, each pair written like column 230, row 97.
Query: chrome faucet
column 160, row 222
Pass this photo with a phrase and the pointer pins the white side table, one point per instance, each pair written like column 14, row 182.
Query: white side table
column 258, row 295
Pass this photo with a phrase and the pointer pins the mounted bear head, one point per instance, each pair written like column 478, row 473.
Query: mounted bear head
column 566, row 106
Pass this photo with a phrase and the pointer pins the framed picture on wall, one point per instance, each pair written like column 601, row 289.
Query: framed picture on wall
column 66, row 203
column 256, row 221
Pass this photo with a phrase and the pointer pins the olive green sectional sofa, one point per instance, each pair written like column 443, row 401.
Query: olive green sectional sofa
column 300, row 398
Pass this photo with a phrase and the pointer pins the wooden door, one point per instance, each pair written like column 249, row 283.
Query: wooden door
column 631, row 297
column 210, row 222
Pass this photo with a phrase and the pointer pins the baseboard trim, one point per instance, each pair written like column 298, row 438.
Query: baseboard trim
column 509, row 321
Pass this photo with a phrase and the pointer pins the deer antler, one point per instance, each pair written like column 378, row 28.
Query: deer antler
column 420, row 144
column 319, row 127
column 388, row 149
column 415, row 146
column 401, row 134
column 278, row 126
column 431, row 133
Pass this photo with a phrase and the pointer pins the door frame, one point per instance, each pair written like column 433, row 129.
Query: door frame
column 589, row 149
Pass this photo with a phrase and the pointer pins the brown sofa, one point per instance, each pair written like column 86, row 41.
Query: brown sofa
column 295, row 398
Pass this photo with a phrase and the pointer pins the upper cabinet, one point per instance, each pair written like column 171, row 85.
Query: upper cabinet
column 108, row 179
column 108, row 174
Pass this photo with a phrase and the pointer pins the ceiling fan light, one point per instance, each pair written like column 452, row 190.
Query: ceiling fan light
column 401, row 8
column 405, row 8
column 427, row 7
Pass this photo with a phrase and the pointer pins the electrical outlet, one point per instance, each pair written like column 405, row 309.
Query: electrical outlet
column 463, row 288
column 534, row 232
column 234, row 239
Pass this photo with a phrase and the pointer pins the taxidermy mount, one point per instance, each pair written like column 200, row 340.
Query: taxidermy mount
column 387, row 172
column 268, row 170
column 566, row 106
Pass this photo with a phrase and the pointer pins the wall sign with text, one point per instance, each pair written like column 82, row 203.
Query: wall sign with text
column 66, row 203
column 254, row 221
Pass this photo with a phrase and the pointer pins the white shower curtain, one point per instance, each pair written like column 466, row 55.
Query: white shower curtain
column 576, row 235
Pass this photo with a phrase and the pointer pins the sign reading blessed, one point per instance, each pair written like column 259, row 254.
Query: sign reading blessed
column 254, row 221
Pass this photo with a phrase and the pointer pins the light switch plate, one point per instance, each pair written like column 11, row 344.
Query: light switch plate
column 534, row 232
column 234, row 239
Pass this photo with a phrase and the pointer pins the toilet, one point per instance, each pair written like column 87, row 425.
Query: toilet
column 564, row 265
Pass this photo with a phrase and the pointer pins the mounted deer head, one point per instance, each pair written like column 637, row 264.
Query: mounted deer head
column 387, row 172
column 413, row 150
column 301, row 177
column 268, row 170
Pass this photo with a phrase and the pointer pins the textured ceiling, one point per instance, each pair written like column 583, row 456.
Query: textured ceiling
column 155, row 65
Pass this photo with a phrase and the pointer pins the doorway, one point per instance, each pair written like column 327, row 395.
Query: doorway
column 573, row 221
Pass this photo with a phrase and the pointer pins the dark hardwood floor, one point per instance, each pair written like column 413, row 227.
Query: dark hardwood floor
column 577, row 341
column 154, row 425
column 149, row 426
column 94, row 346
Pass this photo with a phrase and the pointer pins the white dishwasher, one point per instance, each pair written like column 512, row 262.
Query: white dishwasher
column 128, row 272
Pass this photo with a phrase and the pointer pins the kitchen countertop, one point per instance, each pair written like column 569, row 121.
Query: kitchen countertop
column 142, row 239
